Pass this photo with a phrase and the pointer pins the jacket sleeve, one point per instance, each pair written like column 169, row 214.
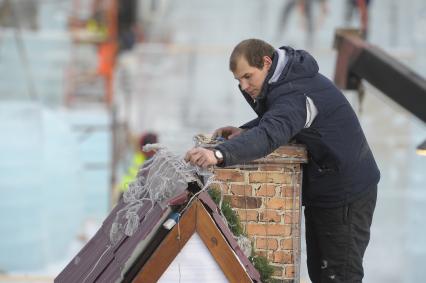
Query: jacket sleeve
column 251, row 124
column 279, row 124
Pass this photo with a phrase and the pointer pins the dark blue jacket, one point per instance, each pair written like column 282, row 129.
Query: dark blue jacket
column 341, row 166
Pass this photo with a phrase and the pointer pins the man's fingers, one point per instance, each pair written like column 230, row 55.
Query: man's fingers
column 200, row 157
column 233, row 136
column 223, row 132
column 207, row 161
column 217, row 133
column 235, row 133
column 205, row 164
column 195, row 157
column 189, row 156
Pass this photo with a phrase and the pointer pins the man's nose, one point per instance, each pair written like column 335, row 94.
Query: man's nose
column 243, row 85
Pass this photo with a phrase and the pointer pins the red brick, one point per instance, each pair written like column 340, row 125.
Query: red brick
column 286, row 244
column 288, row 191
column 248, row 214
column 246, row 168
column 270, row 216
column 289, row 203
column 244, row 202
column 268, row 167
column 283, row 257
column 260, row 229
column 290, row 271
column 270, row 177
column 242, row 190
column 291, row 217
column 266, row 243
column 266, row 190
column 275, row 203
column 294, row 167
column 229, row 175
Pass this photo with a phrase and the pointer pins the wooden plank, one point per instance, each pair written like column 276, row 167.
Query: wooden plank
column 356, row 60
column 219, row 247
column 169, row 248
column 394, row 79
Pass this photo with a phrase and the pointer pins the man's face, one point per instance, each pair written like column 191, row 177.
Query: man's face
column 251, row 78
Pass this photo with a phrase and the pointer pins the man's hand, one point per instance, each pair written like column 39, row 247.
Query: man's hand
column 201, row 157
column 228, row 132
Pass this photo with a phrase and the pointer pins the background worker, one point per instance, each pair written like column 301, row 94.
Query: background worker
column 294, row 101
column 359, row 7
column 139, row 158
column 306, row 8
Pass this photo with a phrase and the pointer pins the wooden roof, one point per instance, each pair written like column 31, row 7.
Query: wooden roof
column 144, row 256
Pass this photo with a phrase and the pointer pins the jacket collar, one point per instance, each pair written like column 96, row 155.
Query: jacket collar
column 280, row 62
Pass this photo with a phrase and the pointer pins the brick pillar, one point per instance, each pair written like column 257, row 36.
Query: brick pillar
column 266, row 195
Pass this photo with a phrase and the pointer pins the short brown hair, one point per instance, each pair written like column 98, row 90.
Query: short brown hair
column 253, row 51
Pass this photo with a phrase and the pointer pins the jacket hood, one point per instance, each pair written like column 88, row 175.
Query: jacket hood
column 300, row 64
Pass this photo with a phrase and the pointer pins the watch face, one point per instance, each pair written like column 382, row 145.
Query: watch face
column 218, row 154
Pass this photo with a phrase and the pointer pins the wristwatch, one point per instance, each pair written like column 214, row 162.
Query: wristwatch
column 219, row 156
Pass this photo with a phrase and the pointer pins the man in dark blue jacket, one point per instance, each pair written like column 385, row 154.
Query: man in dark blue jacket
column 295, row 102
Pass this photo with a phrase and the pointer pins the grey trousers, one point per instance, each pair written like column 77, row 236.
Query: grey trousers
column 336, row 239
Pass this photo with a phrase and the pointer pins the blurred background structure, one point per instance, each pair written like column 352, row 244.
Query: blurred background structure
column 82, row 80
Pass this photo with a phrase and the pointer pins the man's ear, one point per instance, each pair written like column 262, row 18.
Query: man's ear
column 267, row 62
